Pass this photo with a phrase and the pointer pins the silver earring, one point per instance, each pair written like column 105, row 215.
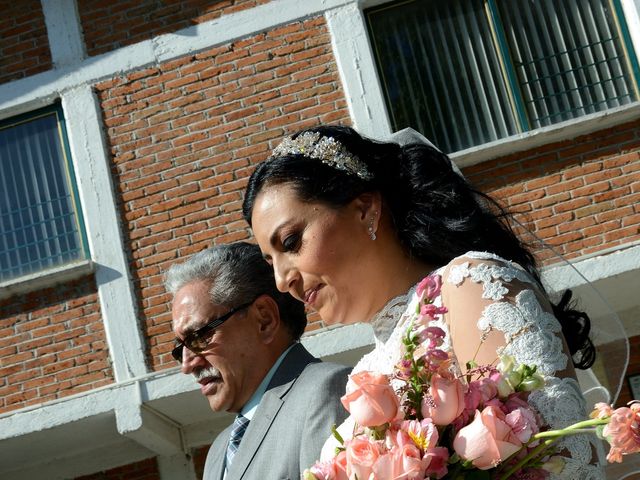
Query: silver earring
column 372, row 234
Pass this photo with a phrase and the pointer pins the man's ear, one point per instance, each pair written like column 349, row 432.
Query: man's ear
column 267, row 316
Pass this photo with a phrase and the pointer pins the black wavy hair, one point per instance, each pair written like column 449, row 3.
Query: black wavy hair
column 437, row 214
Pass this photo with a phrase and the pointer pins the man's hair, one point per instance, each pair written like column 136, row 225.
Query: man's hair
column 238, row 274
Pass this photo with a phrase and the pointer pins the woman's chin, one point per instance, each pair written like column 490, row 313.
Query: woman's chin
column 333, row 318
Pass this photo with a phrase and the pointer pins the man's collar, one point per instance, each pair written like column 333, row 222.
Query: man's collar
column 250, row 407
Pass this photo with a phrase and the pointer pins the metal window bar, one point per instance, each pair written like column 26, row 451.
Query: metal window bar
column 568, row 51
column 607, row 101
column 576, row 69
column 569, row 58
column 582, row 87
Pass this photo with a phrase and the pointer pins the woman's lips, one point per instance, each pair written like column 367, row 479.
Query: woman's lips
column 311, row 295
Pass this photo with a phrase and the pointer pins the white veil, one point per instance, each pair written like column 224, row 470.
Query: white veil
column 602, row 382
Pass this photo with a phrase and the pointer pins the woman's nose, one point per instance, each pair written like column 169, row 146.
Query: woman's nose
column 285, row 275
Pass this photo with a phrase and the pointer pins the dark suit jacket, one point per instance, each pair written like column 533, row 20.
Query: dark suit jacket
column 290, row 425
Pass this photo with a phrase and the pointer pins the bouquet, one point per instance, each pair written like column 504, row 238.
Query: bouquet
column 428, row 421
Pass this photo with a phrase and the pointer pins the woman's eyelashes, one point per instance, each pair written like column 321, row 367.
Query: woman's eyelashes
column 291, row 243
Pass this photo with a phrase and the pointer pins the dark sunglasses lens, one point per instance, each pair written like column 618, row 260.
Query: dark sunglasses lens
column 177, row 353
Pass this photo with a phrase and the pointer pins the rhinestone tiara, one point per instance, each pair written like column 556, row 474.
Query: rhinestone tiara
column 326, row 149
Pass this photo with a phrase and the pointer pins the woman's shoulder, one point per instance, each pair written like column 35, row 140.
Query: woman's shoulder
column 492, row 272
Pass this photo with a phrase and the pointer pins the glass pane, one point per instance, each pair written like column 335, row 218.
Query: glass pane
column 568, row 57
column 38, row 223
column 440, row 71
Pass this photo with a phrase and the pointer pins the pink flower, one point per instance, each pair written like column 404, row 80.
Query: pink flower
column 601, row 410
column 479, row 392
column 362, row 454
column 370, row 399
column 334, row 469
column 623, row 431
column 487, row 440
column 340, row 463
column 423, row 432
column 431, row 337
column 400, row 463
column 523, row 423
column 445, row 400
column 429, row 311
column 436, row 462
column 429, row 286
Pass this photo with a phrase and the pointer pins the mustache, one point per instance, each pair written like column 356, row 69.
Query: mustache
column 206, row 372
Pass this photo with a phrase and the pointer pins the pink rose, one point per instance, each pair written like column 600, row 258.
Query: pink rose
column 320, row 471
column 436, row 459
column 487, row 440
column 340, row 465
column 334, row 469
column 445, row 401
column 400, row 463
column 362, row 454
column 370, row 399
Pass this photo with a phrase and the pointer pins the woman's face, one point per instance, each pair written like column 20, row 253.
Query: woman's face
column 319, row 254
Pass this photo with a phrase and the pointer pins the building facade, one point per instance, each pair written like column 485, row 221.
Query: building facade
column 128, row 131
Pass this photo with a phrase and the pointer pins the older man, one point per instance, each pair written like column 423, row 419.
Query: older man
column 238, row 336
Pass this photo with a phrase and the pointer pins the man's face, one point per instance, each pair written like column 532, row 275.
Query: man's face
column 224, row 369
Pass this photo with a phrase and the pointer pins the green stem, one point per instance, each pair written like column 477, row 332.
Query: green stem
column 562, row 433
column 533, row 454
column 554, row 436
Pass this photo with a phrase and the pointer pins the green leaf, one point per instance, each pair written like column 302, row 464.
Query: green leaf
column 334, row 430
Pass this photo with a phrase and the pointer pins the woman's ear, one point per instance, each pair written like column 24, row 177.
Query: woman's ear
column 267, row 317
column 368, row 205
column 368, row 208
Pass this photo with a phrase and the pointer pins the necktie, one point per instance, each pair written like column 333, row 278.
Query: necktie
column 240, row 425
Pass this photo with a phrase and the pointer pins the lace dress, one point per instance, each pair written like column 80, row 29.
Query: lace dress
column 504, row 304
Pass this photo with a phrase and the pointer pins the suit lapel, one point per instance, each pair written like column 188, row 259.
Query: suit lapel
column 284, row 378
column 219, row 460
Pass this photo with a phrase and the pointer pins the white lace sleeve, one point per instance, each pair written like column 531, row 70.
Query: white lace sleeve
column 512, row 317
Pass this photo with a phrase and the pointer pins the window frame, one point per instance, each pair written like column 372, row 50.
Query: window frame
column 517, row 103
column 64, row 271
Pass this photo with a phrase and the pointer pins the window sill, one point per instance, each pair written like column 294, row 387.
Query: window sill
column 45, row 278
column 546, row 135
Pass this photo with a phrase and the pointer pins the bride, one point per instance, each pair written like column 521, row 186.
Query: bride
column 351, row 225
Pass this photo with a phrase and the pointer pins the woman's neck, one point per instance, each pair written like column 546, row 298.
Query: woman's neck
column 397, row 274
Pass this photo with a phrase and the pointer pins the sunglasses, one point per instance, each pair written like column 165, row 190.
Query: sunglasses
column 198, row 340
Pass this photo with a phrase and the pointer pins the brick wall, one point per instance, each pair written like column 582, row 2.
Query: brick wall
column 580, row 195
column 24, row 46
column 185, row 135
column 52, row 344
column 144, row 470
column 111, row 25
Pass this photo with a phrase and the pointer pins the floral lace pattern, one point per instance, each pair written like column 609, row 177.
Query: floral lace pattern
column 491, row 276
column 532, row 336
column 530, row 332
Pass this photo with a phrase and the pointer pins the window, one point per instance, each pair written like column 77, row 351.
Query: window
column 467, row 72
column 40, row 218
